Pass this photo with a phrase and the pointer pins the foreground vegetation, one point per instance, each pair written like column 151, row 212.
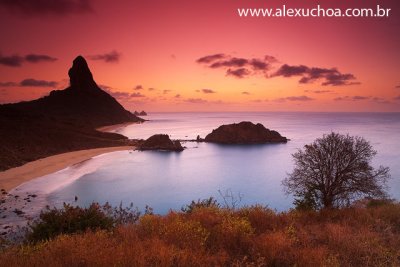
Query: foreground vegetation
column 205, row 234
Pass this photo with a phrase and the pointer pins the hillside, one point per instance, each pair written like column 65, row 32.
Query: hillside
column 63, row 121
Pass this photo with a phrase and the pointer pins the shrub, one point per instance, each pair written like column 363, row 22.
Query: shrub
column 70, row 219
column 204, row 203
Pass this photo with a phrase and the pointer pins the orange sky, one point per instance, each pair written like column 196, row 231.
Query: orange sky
column 147, row 54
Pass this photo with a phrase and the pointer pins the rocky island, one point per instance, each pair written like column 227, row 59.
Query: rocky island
column 160, row 142
column 244, row 132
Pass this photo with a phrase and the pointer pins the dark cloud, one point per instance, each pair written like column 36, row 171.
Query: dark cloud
column 328, row 76
column 137, row 95
column 8, row 84
column 352, row 98
column 243, row 67
column 47, row 7
column 112, row 57
column 138, row 87
column 177, row 96
column 33, row 58
column 208, row 91
column 380, row 100
column 236, row 66
column 289, row 71
column 398, row 86
column 196, row 100
column 17, row 61
column 151, row 89
column 301, row 98
column 37, row 83
column 230, row 63
column 11, row 61
column 166, row 91
column 318, row 91
column 210, row 58
column 397, row 98
column 238, row 73
column 245, row 93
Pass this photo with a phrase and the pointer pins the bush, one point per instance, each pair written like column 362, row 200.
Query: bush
column 70, row 219
column 204, row 203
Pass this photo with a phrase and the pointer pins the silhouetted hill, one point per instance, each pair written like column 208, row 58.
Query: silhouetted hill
column 61, row 122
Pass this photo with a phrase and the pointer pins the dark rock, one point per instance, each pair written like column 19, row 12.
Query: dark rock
column 142, row 113
column 244, row 133
column 80, row 76
column 161, row 142
column 18, row 212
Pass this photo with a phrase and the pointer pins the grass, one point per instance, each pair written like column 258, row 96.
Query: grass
column 213, row 236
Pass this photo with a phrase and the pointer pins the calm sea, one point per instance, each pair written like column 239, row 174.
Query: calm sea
column 252, row 174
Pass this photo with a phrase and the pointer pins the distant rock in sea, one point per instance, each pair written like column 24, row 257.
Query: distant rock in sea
column 160, row 142
column 244, row 132
column 142, row 113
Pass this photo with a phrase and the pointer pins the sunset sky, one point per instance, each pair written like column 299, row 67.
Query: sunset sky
column 199, row 55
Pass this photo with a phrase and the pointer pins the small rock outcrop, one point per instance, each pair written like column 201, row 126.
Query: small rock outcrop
column 244, row 132
column 160, row 142
column 142, row 113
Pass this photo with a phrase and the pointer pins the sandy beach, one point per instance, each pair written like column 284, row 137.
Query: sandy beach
column 11, row 178
column 115, row 127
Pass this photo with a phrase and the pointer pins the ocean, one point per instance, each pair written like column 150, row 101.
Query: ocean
column 239, row 174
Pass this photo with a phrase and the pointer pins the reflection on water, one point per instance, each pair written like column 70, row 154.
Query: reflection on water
column 165, row 180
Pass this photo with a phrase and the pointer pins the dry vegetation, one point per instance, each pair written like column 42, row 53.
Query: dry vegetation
column 213, row 236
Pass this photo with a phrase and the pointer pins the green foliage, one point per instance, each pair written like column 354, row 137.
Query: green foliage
column 204, row 203
column 71, row 219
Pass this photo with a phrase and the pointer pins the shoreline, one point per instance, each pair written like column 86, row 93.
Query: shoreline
column 114, row 128
column 12, row 178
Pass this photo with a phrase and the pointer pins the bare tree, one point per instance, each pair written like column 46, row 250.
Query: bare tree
column 333, row 171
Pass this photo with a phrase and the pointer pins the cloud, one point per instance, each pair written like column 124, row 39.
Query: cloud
column 11, row 61
column 138, row 87
column 112, row 57
column 37, row 83
column 398, row 86
column 137, row 95
column 352, row 98
column 318, row 91
column 236, row 66
column 397, row 98
column 208, row 91
column 196, row 100
column 210, row 58
column 243, row 67
column 245, row 93
column 166, row 91
column 311, row 74
column 177, row 96
column 301, row 98
column 238, row 73
column 8, row 84
column 17, row 60
column 380, row 100
column 33, row 58
column 47, row 7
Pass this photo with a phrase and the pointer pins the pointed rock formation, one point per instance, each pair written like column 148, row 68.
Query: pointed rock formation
column 80, row 76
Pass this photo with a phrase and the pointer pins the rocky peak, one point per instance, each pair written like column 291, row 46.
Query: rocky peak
column 80, row 76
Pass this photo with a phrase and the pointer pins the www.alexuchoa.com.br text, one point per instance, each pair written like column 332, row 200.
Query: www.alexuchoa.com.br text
column 316, row 11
